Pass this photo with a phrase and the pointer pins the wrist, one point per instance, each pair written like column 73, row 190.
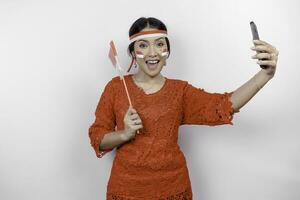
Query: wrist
column 266, row 75
column 124, row 137
column 127, row 134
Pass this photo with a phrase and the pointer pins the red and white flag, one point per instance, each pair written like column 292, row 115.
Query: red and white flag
column 112, row 53
column 113, row 56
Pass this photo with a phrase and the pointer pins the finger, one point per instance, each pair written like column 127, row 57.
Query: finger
column 267, row 62
column 261, row 42
column 130, row 107
column 262, row 48
column 133, row 116
column 130, row 124
column 273, row 56
column 262, row 55
column 138, row 121
column 128, row 112
column 138, row 127
column 134, row 122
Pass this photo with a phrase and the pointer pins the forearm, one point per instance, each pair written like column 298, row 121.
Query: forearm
column 244, row 93
column 113, row 139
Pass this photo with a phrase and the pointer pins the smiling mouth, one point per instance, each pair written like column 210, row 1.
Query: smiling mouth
column 152, row 64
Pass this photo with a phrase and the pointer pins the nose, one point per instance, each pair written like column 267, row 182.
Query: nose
column 152, row 51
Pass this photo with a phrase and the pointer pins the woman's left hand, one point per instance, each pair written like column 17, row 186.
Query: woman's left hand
column 267, row 52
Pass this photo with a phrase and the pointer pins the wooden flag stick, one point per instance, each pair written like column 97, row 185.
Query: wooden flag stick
column 124, row 83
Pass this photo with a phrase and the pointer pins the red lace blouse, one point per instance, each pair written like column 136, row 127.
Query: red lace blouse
column 152, row 166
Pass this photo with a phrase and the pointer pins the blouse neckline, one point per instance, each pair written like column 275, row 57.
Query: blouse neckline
column 143, row 92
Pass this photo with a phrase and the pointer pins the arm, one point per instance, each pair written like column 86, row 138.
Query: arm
column 205, row 108
column 244, row 93
column 113, row 139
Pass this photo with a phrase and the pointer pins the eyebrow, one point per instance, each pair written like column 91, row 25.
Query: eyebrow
column 159, row 38
column 147, row 41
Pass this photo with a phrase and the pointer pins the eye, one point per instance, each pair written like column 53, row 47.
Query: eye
column 160, row 44
column 142, row 45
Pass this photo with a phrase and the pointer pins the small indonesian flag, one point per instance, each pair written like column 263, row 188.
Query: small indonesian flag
column 113, row 53
column 113, row 56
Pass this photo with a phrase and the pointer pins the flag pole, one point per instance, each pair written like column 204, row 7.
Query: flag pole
column 119, row 69
column 124, row 83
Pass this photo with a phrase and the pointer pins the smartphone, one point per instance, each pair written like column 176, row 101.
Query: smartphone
column 255, row 36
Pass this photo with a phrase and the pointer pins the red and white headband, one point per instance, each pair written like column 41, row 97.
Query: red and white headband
column 148, row 34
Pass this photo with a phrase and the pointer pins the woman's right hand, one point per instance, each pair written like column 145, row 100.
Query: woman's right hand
column 132, row 122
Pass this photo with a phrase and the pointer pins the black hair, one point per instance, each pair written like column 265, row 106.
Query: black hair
column 142, row 23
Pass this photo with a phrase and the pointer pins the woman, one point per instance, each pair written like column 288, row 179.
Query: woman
column 150, row 165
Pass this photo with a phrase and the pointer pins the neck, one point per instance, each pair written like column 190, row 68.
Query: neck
column 141, row 76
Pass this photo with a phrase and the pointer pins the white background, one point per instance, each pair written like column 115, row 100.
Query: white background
column 54, row 66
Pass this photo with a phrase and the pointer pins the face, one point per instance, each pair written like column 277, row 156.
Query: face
column 150, row 54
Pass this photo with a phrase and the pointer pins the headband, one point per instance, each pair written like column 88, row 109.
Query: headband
column 148, row 34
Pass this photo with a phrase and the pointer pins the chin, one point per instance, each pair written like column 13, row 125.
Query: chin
column 152, row 73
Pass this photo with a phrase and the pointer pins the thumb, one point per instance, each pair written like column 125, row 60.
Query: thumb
column 130, row 109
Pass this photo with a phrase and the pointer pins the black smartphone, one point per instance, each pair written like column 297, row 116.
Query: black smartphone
column 255, row 36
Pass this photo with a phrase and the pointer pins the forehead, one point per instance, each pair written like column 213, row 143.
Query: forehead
column 151, row 39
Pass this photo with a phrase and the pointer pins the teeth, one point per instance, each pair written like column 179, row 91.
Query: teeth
column 152, row 61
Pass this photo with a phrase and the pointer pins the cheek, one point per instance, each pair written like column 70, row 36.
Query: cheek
column 139, row 54
column 164, row 53
column 140, row 61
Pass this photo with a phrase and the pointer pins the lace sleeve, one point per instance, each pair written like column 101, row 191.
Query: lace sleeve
column 204, row 108
column 105, row 120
